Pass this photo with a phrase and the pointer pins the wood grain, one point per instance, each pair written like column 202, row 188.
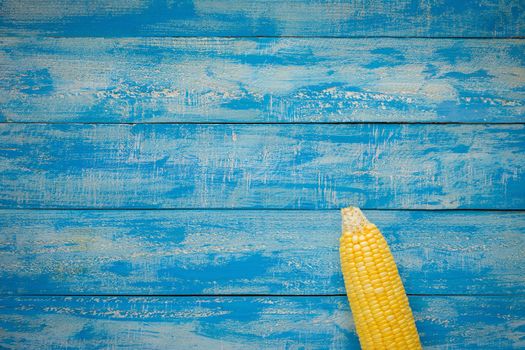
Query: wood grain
column 250, row 252
column 488, row 18
column 71, row 72
column 241, row 322
column 261, row 80
column 262, row 166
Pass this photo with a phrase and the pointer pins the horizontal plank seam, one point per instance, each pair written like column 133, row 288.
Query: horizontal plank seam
column 265, row 123
column 40, row 36
column 258, row 209
column 255, row 295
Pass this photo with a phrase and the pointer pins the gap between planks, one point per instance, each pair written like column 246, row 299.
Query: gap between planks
column 410, row 37
column 514, row 210
column 251, row 295
column 267, row 123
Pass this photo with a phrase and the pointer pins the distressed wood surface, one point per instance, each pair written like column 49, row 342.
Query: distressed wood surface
column 261, row 80
column 262, row 166
column 250, row 252
column 243, row 322
column 488, row 18
column 78, row 69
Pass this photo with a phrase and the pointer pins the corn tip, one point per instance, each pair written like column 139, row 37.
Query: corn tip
column 353, row 219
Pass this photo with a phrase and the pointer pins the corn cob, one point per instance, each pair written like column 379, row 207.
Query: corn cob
column 380, row 308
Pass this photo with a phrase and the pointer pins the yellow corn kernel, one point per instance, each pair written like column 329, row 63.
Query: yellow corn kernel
column 380, row 308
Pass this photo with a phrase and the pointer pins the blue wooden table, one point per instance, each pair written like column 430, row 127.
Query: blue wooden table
column 171, row 172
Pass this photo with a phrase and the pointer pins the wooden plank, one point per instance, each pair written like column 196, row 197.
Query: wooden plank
column 488, row 18
column 262, row 166
column 250, row 252
column 261, row 80
column 243, row 322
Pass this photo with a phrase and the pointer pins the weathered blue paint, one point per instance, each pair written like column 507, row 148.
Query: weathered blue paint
column 133, row 73
column 261, row 80
column 262, row 166
column 250, row 252
column 488, row 18
column 242, row 322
